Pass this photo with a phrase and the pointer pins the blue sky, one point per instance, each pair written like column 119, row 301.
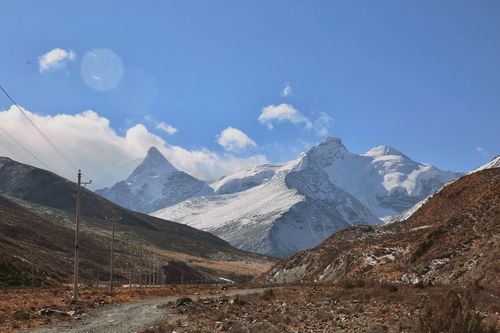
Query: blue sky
column 421, row 76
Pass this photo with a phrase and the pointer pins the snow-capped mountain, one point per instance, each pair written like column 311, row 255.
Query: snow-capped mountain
column 382, row 179
column 494, row 163
column 246, row 179
column 279, row 209
column 155, row 184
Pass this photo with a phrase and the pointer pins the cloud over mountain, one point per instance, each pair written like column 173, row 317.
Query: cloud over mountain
column 92, row 144
column 272, row 114
column 233, row 139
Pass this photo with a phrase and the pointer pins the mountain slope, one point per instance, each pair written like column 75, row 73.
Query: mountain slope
column 37, row 212
column 453, row 238
column 279, row 209
column 153, row 185
column 243, row 180
column 494, row 163
column 52, row 197
column 383, row 179
column 36, row 251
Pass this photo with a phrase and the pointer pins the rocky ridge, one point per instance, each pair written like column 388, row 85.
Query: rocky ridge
column 153, row 185
column 451, row 239
column 279, row 209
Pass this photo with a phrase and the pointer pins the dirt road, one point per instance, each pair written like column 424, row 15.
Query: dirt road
column 127, row 317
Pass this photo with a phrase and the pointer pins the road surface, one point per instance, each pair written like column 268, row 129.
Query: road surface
column 126, row 317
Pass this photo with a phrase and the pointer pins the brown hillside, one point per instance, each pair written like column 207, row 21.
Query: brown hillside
column 35, row 251
column 37, row 213
column 452, row 239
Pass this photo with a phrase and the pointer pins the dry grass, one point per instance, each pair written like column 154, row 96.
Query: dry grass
column 354, row 307
column 19, row 308
column 236, row 267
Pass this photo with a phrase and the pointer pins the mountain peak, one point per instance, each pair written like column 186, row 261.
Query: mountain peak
column 330, row 144
column 153, row 150
column 154, row 164
column 325, row 153
column 331, row 140
column 383, row 151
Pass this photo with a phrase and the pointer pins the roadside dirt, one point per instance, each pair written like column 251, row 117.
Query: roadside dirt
column 128, row 317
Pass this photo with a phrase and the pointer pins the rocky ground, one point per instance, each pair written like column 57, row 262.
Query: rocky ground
column 338, row 308
column 26, row 308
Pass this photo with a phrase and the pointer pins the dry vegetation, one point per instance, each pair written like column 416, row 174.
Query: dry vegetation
column 348, row 307
column 22, row 308
column 452, row 239
column 228, row 268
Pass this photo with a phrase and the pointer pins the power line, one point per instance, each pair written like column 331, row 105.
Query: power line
column 23, row 147
column 13, row 153
column 56, row 149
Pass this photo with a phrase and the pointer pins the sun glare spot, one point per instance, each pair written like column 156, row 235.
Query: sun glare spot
column 102, row 69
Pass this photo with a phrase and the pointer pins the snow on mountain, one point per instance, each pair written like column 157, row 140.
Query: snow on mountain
column 246, row 179
column 154, row 184
column 383, row 179
column 386, row 181
column 279, row 209
column 494, row 163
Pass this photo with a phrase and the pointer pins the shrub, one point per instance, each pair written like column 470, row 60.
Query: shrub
column 450, row 315
column 268, row 295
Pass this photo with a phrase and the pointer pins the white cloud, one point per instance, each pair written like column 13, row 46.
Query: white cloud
column 282, row 113
column 233, row 139
column 166, row 128
column 169, row 129
column 55, row 59
column 105, row 156
column 322, row 124
column 287, row 90
column 482, row 151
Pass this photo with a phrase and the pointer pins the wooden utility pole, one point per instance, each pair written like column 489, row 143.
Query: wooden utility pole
column 147, row 276
column 130, row 264
column 153, row 278
column 148, row 270
column 111, row 270
column 150, row 266
column 77, row 235
column 140, row 269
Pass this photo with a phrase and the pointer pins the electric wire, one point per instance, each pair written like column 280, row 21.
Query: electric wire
column 47, row 139
column 23, row 147
column 13, row 153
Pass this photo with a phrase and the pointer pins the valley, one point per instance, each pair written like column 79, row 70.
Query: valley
column 361, row 278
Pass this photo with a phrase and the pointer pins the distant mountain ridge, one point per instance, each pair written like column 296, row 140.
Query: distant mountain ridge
column 52, row 197
column 154, row 184
column 279, row 209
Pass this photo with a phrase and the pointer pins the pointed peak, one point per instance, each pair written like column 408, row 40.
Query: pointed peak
column 154, row 164
column 331, row 140
column 331, row 143
column 155, row 157
column 152, row 151
column 329, row 149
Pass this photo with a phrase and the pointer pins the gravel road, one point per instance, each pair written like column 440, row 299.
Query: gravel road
column 127, row 317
